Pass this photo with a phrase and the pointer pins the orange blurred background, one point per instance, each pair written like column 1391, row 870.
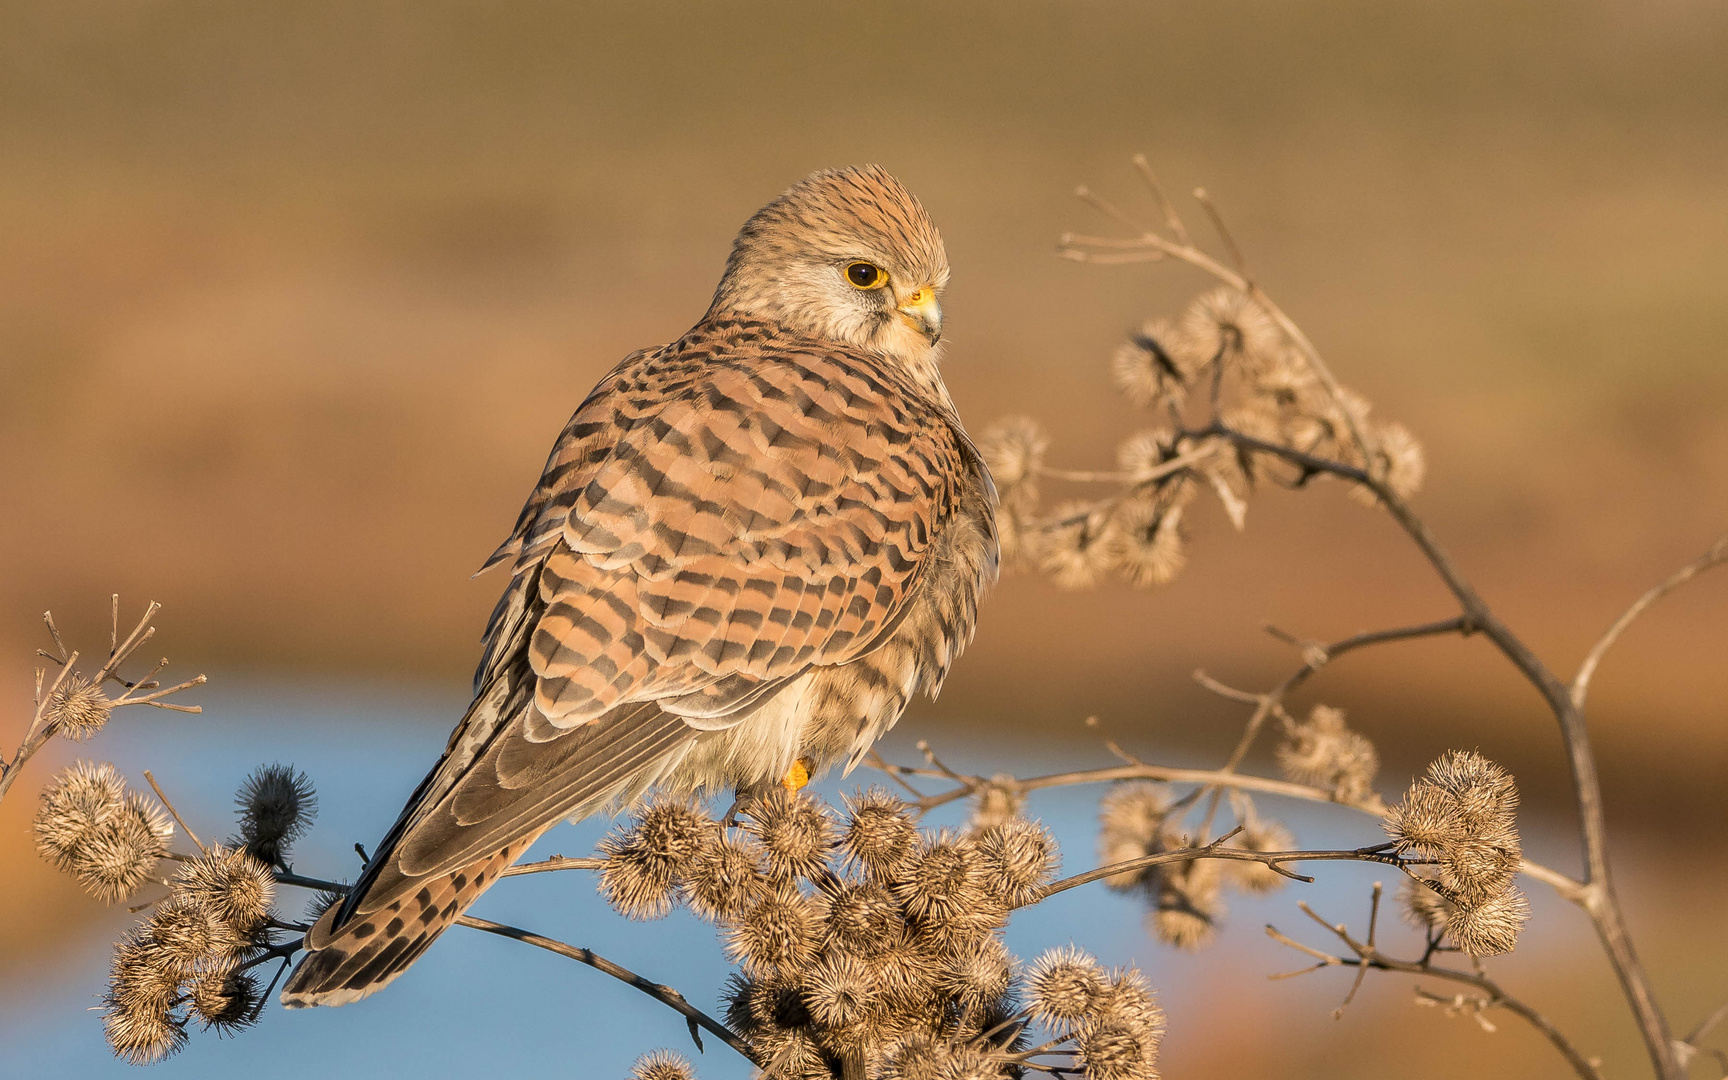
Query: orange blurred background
column 294, row 297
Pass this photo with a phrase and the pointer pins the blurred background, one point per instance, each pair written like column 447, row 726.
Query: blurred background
column 294, row 297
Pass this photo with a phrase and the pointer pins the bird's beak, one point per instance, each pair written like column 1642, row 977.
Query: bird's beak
column 925, row 313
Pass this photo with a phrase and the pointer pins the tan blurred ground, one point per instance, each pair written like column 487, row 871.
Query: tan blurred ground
column 293, row 298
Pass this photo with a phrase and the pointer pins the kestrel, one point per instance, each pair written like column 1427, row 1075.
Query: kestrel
column 748, row 550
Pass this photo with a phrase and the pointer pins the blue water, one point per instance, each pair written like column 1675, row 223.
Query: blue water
column 479, row 1005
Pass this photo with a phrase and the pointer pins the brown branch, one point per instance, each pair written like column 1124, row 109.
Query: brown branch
column 664, row 994
column 1567, row 887
column 556, row 862
column 1368, row 956
column 1274, row 860
column 1596, row 893
column 695, row 1017
column 1716, row 556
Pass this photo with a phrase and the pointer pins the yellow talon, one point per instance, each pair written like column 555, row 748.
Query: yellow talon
column 797, row 776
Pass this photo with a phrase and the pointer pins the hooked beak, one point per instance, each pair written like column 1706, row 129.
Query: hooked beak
column 924, row 313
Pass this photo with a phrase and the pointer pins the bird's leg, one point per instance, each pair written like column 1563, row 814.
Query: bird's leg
column 730, row 821
column 796, row 778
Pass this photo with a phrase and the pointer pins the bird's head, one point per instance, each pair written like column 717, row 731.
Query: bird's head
column 846, row 255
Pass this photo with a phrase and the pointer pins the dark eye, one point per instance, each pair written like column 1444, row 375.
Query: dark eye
column 866, row 275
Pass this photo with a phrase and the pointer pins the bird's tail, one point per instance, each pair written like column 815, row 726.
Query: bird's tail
column 378, row 942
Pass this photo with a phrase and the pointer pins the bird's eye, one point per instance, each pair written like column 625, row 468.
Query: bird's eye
column 866, row 275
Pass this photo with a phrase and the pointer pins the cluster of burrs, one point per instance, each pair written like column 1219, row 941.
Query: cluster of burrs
column 1256, row 385
column 1462, row 816
column 868, row 946
column 191, row 958
column 1184, row 899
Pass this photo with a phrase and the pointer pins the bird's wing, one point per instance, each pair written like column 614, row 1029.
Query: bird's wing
column 716, row 518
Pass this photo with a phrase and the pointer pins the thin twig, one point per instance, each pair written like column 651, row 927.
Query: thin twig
column 187, row 829
column 1273, row 860
column 1171, row 220
column 1366, row 956
column 556, row 862
column 663, row 994
column 1716, row 556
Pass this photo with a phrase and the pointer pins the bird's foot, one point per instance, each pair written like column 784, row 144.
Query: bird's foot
column 797, row 776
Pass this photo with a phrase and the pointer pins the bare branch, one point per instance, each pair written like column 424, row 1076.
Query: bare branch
column 556, row 862
column 663, row 994
column 1716, row 556
column 1366, row 956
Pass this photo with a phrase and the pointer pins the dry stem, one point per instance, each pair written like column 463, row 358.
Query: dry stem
column 1596, row 894
column 1367, row 956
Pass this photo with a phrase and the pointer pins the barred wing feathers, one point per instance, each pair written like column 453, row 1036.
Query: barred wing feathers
column 719, row 516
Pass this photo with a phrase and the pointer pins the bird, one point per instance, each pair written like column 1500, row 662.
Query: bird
column 748, row 551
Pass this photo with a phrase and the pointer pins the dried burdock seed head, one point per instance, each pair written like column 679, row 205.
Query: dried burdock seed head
column 1189, row 899
column 1423, row 908
column 673, row 830
column 79, row 708
column 880, row 834
column 322, row 900
column 797, row 1053
column 75, row 803
column 1149, row 541
column 232, row 885
column 1130, row 821
column 1014, row 448
column 981, row 974
column 944, row 879
column 637, row 884
column 1080, row 545
column 646, row 858
column 1145, row 369
column 1397, row 461
column 1491, row 927
column 662, row 1065
column 909, row 973
column 796, row 832
column 1427, row 820
column 1324, row 752
column 995, row 801
column 89, row 825
column 118, row 858
column 912, row 1057
column 1227, row 325
column 142, row 973
column 1141, row 454
column 225, row 999
column 143, row 1036
column 277, row 806
column 1406, row 465
column 778, row 935
column 1486, row 795
column 968, row 1061
column 1259, row 834
column 840, row 991
column 141, row 989
column 1062, row 986
column 1129, row 1000
column 1112, row 1049
column 861, row 917
column 1476, row 870
column 755, row 1004
column 1181, row 926
column 1463, row 811
column 188, row 933
column 1018, row 858
column 724, row 877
